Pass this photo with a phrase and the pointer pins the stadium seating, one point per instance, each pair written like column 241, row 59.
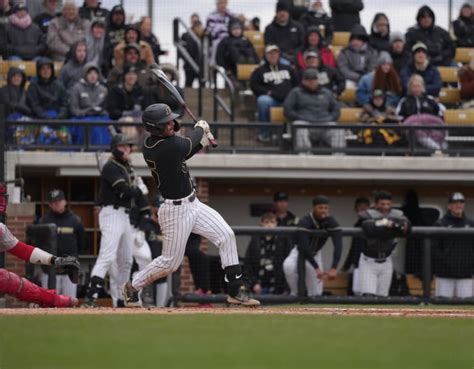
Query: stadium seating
column 459, row 117
column 463, row 54
column 29, row 67
column 244, row 71
column 348, row 115
column 349, row 96
column 450, row 96
column 257, row 40
column 277, row 115
column 341, row 38
column 448, row 74
column 336, row 50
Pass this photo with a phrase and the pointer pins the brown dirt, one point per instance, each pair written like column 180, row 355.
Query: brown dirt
column 388, row 312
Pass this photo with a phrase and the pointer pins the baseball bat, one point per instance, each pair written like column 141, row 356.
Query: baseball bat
column 163, row 79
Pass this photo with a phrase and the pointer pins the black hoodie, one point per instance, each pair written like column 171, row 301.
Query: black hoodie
column 464, row 29
column 378, row 41
column 44, row 95
column 321, row 21
column 115, row 32
column 289, row 37
column 13, row 97
column 441, row 48
column 345, row 14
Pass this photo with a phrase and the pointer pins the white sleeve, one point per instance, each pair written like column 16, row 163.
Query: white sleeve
column 7, row 239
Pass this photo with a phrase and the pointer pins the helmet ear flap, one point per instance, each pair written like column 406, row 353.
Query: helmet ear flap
column 176, row 126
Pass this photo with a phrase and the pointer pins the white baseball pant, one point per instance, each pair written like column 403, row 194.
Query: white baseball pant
column 314, row 285
column 356, row 282
column 375, row 278
column 64, row 286
column 452, row 287
column 177, row 222
column 115, row 247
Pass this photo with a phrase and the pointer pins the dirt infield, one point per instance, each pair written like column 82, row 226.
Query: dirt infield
column 386, row 312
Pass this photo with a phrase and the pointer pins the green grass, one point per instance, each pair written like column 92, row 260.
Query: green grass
column 234, row 341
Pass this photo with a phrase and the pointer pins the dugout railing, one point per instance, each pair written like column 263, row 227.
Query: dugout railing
column 427, row 233
column 236, row 137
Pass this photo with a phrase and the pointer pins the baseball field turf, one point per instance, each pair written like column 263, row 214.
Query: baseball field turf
column 237, row 340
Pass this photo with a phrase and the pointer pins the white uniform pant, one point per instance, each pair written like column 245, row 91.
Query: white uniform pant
column 64, row 286
column 356, row 282
column 177, row 222
column 115, row 254
column 375, row 278
column 314, row 285
column 452, row 287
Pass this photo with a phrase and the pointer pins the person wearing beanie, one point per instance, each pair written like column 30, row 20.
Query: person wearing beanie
column 379, row 38
column 24, row 38
column 358, row 58
column 309, row 103
column 235, row 49
column 310, row 247
column 345, row 14
column 439, row 45
column 133, row 36
column 286, row 33
column 317, row 17
column 384, row 78
column 464, row 27
column 50, row 11
column 399, row 54
column 314, row 40
column 13, row 95
column 421, row 64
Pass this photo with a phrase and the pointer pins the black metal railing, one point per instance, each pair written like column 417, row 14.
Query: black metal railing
column 219, row 101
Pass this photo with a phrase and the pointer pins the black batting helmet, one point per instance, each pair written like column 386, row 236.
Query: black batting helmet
column 156, row 116
column 120, row 139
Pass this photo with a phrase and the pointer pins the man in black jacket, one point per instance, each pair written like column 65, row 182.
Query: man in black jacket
column 286, row 33
column 382, row 226
column 310, row 246
column 453, row 256
column 464, row 27
column 345, row 14
column 441, row 48
column 91, row 10
column 69, row 239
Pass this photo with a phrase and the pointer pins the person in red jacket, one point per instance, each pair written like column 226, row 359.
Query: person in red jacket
column 466, row 77
column 23, row 289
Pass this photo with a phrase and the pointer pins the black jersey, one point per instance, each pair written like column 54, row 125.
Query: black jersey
column 116, row 186
column 166, row 157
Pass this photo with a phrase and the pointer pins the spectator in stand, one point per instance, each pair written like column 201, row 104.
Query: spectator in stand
column 91, row 10
column 286, row 33
column 132, row 36
column 328, row 77
column 263, row 265
column 310, row 103
column 453, row 256
column 345, row 14
column 421, row 64
column 440, row 47
column 466, row 78
column 37, row 7
column 65, row 30
column 192, row 48
column 13, row 95
column 132, row 56
column 235, row 49
column 50, row 11
column 378, row 112
column 127, row 99
column 115, row 32
column 317, row 17
column 399, row 54
column 379, row 38
column 384, row 78
column 270, row 83
column 217, row 24
column 464, row 27
column 24, row 38
column 285, row 218
column 5, row 11
column 314, row 40
column 419, row 108
column 72, row 71
column 358, row 58
column 148, row 36
column 95, row 42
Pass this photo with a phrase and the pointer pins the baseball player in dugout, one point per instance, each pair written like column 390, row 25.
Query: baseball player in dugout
column 23, row 289
column 280, row 207
column 382, row 226
column 117, row 192
column 69, row 240
column 310, row 246
column 182, row 212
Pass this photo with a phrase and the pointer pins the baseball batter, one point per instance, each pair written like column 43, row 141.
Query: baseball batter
column 182, row 212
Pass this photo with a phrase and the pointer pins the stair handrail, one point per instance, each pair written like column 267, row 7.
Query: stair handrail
column 218, row 100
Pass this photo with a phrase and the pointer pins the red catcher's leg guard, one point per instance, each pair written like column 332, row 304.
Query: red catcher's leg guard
column 24, row 290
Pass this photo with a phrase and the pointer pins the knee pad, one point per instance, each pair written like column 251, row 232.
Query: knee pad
column 10, row 283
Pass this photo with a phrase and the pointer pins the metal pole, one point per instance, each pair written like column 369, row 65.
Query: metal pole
column 426, row 273
column 450, row 14
column 150, row 11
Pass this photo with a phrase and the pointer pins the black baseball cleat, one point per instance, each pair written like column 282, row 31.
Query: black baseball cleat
column 90, row 302
column 130, row 296
column 242, row 298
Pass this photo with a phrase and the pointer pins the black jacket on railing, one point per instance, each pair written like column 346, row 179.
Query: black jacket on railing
column 453, row 256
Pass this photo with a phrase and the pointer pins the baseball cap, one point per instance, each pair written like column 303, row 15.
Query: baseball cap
column 311, row 53
column 280, row 196
column 271, row 48
column 419, row 46
column 129, row 68
column 320, row 200
column 310, row 73
column 56, row 195
column 456, row 197
column 282, row 6
column 377, row 93
column 20, row 6
column 132, row 45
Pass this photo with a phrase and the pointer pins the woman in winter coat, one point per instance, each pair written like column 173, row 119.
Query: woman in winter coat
column 464, row 27
column 314, row 40
column 379, row 38
column 72, row 71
